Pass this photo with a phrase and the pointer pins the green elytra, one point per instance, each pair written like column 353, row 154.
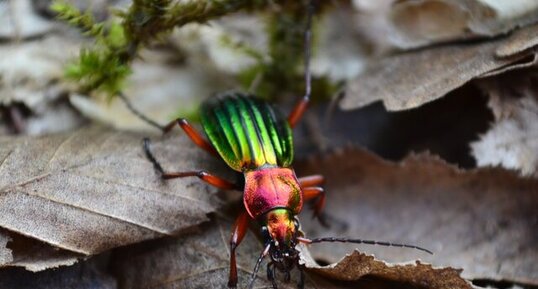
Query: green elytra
column 246, row 132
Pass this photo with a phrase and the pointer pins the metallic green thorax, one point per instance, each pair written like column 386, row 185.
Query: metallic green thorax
column 247, row 133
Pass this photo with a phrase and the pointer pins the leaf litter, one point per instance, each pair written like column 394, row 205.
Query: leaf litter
column 85, row 275
column 482, row 221
column 93, row 189
column 512, row 140
column 31, row 254
column 421, row 201
column 425, row 22
column 411, row 79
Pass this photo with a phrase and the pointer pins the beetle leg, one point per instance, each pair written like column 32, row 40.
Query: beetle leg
column 298, row 110
column 300, row 107
column 287, row 276
column 271, row 274
column 309, row 181
column 300, row 285
column 318, row 193
column 192, row 133
column 203, row 175
column 238, row 233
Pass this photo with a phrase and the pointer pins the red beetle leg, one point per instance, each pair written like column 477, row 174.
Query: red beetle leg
column 301, row 105
column 204, row 176
column 309, row 181
column 298, row 110
column 192, row 133
column 318, row 193
column 238, row 233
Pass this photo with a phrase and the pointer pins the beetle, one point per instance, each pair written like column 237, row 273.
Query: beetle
column 254, row 139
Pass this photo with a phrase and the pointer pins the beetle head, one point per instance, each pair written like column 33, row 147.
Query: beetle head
column 280, row 232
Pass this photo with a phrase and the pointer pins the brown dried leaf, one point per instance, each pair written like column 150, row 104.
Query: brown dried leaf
column 5, row 253
column 85, row 275
column 93, row 189
column 512, row 141
column 483, row 221
column 409, row 80
column 519, row 42
column 430, row 21
column 358, row 265
column 34, row 255
column 30, row 70
column 18, row 20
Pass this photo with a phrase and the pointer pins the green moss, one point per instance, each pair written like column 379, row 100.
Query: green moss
column 105, row 65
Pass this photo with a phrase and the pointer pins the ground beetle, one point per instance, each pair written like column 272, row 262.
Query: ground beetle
column 253, row 138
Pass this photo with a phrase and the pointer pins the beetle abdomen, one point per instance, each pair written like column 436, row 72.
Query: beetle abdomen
column 246, row 132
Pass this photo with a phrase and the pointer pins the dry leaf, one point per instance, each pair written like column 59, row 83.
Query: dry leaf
column 339, row 53
column 482, row 221
column 411, row 79
column 512, row 141
column 93, row 189
column 29, row 74
column 5, row 253
column 18, row 20
column 87, row 275
column 29, row 70
column 358, row 265
column 519, row 42
column 414, row 23
column 33, row 255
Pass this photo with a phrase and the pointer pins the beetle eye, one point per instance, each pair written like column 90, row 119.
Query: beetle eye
column 296, row 223
column 265, row 233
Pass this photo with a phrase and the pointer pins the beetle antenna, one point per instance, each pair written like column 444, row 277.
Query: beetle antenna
column 308, row 50
column 360, row 241
column 257, row 267
column 138, row 113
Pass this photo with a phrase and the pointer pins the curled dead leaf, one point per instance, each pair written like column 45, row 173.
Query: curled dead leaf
column 86, row 275
column 416, row 23
column 357, row 265
column 32, row 254
column 423, row 22
column 411, row 79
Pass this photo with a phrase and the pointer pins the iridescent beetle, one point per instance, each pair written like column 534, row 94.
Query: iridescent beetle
column 254, row 139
